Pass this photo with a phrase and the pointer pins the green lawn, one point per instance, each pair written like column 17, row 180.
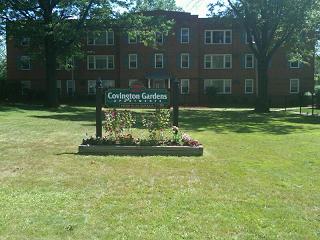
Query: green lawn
column 258, row 179
column 306, row 110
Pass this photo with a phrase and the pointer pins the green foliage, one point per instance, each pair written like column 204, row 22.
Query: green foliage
column 290, row 24
column 3, row 61
column 117, row 123
column 57, row 28
column 157, row 123
column 149, row 5
column 275, row 24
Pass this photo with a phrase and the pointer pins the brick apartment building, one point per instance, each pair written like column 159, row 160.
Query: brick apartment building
column 200, row 52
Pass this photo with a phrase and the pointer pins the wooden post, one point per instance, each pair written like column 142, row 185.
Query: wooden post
column 99, row 108
column 175, row 102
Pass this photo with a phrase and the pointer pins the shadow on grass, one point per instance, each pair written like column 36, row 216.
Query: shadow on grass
column 245, row 122
column 219, row 121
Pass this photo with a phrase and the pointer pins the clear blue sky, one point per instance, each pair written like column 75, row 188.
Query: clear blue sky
column 198, row 7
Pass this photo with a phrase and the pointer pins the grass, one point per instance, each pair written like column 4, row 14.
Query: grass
column 306, row 110
column 258, row 179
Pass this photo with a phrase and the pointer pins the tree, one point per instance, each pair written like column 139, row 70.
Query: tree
column 149, row 5
column 46, row 23
column 56, row 27
column 272, row 24
column 3, row 64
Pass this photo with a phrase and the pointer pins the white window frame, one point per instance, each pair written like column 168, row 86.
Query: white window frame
column 27, row 58
column 181, row 57
column 91, row 83
column 224, row 85
column 136, row 60
column 134, row 81
column 246, row 61
column 73, row 87
column 135, row 39
column 246, row 39
column 162, row 40
column 293, row 67
column 69, row 61
column 181, row 31
column 217, row 55
column 94, row 62
column 107, row 38
column 224, row 36
column 294, row 79
column 105, row 84
column 245, row 86
column 155, row 60
column 25, row 85
column 188, row 83
column 59, row 86
column 109, row 83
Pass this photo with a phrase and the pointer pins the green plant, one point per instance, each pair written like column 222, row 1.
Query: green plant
column 127, row 140
column 117, row 123
column 176, row 138
column 156, row 123
column 318, row 98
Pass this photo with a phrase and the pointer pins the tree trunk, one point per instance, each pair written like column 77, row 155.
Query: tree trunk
column 51, row 81
column 262, row 103
column 50, row 53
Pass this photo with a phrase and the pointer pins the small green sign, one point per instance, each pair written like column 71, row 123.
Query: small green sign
column 137, row 97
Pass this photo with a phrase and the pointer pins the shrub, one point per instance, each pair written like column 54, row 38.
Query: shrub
column 117, row 122
column 157, row 123
column 317, row 100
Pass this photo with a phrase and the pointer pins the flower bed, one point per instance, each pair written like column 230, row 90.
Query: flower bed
column 119, row 139
column 141, row 150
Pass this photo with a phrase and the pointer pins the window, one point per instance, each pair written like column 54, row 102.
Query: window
column 135, row 82
column 184, row 86
column 25, row 63
column 184, row 59
column 105, row 84
column 218, row 61
column 222, row 86
column 158, row 60
column 294, row 86
column 91, row 87
column 218, row 36
column 159, row 38
column 159, row 84
column 132, row 38
column 184, row 35
column 67, row 65
column 108, row 84
column 294, row 64
column 71, row 87
column 249, row 38
column 133, row 61
column 100, row 38
column 25, row 41
column 25, row 87
column 248, row 85
column 249, row 61
column 59, row 87
column 100, row 62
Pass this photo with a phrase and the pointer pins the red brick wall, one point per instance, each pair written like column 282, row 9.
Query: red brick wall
column 279, row 72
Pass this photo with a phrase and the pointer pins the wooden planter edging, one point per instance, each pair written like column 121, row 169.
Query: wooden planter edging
column 141, row 150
